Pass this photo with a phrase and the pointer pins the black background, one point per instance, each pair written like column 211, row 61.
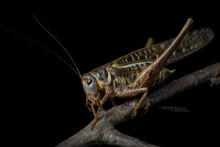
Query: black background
column 42, row 100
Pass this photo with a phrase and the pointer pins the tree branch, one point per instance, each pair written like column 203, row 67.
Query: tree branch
column 105, row 132
column 119, row 139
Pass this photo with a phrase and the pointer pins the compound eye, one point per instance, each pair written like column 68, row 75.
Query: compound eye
column 89, row 81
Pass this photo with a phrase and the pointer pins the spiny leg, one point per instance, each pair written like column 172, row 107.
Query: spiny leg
column 96, row 114
column 96, row 118
column 144, row 96
column 87, row 104
column 93, row 110
column 149, row 42
column 106, row 97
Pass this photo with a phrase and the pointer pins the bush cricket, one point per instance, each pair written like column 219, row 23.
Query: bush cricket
column 137, row 72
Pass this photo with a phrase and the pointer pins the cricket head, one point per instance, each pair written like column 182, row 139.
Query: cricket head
column 90, row 87
column 94, row 84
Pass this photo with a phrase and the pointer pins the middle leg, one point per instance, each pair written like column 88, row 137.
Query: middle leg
column 144, row 97
column 134, row 92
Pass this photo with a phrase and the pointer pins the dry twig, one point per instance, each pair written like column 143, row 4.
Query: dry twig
column 105, row 132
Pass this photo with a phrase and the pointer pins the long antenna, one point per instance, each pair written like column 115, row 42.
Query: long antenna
column 61, row 45
column 42, row 46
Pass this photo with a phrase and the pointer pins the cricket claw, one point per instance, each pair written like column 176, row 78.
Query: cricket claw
column 94, row 123
column 147, row 105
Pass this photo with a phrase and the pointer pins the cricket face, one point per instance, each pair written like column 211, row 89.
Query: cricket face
column 91, row 88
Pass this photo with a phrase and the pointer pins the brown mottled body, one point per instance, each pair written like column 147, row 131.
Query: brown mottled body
column 141, row 70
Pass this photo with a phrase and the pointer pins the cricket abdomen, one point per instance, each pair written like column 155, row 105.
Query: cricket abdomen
column 163, row 75
column 125, row 77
